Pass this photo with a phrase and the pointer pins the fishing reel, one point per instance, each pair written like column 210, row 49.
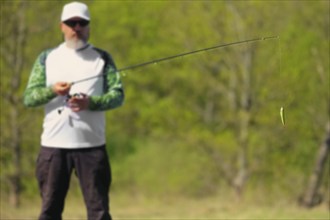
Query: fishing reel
column 67, row 98
column 76, row 95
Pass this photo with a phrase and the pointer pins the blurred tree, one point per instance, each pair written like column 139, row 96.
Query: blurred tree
column 225, row 102
column 312, row 196
column 13, row 39
column 17, row 124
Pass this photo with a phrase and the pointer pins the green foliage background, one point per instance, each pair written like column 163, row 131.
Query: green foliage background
column 173, row 110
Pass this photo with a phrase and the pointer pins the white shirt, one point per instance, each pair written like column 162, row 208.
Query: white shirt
column 69, row 129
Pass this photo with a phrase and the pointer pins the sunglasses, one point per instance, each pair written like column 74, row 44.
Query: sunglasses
column 73, row 23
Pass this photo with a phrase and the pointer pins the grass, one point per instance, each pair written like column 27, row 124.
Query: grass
column 130, row 207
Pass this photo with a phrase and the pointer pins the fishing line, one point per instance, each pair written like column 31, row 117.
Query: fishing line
column 282, row 110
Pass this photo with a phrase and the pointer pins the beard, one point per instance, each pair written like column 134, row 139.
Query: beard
column 75, row 43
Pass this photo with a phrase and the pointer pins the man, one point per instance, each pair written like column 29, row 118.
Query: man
column 73, row 135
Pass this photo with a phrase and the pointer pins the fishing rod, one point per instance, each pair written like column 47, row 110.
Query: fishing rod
column 179, row 55
column 170, row 58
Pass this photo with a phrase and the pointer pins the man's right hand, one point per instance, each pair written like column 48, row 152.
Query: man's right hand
column 62, row 88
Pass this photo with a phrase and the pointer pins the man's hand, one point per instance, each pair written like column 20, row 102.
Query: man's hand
column 78, row 102
column 62, row 88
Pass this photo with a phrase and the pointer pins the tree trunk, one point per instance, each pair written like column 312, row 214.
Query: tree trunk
column 15, row 178
column 245, row 120
column 311, row 196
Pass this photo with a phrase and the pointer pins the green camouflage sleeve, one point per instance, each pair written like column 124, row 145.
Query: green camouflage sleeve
column 36, row 92
column 113, row 90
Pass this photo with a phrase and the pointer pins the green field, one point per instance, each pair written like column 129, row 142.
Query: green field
column 140, row 207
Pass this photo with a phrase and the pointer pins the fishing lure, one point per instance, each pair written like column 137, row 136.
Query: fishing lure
column 282, row 115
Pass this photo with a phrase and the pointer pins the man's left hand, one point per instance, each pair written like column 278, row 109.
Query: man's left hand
column 78, row 102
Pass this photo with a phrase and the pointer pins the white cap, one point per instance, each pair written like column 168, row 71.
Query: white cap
column 75, row 9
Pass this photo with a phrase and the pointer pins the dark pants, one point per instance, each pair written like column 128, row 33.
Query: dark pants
column 92, row 167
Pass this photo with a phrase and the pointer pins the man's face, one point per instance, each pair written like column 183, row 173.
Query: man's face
column 76, row 31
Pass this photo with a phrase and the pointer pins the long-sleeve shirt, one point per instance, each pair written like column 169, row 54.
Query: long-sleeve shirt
column 70, row 129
